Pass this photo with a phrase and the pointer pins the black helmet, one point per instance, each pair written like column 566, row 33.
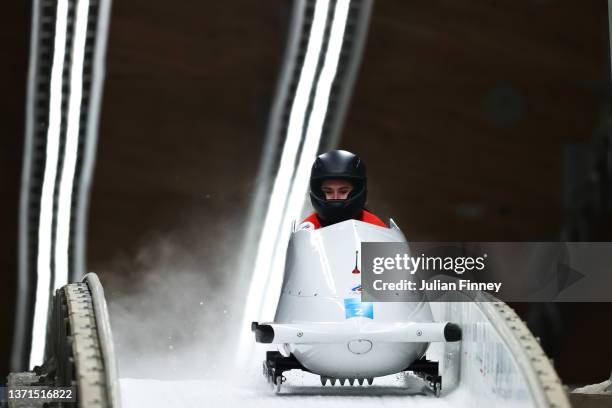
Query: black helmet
column 343, row 165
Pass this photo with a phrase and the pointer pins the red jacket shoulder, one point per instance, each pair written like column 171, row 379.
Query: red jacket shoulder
column 370, row 218
column 312, row 219
column 366, row 216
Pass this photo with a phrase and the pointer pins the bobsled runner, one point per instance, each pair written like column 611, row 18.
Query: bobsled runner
column 322, row 327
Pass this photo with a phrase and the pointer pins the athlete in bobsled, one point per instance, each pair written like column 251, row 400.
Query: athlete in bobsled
column 338, row 191
column 321, row 325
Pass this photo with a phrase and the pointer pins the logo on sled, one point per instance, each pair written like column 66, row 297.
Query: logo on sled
column 354, row 308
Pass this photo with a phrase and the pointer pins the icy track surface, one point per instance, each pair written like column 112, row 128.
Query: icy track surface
column 305, row 391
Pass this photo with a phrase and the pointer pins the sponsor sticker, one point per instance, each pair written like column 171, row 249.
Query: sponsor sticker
column 355, row 308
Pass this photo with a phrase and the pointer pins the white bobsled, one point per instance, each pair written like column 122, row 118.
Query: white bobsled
column 321, row 326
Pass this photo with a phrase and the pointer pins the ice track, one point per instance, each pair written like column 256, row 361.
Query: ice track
column 385, row 392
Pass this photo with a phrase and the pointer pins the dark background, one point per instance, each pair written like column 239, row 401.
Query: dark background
column 462, row 112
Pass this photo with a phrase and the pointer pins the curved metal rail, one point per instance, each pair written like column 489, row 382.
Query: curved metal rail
column 499, row 359
column 105, row 337
column 80, row 350
column 545, row 385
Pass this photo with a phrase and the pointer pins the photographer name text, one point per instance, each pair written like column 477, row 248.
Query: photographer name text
column 435, row 285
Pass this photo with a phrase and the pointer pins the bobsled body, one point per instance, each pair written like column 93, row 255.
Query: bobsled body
column 321, row 320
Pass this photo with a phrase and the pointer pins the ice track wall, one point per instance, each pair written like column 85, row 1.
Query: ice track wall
column 499, row 363
column 80, row 351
